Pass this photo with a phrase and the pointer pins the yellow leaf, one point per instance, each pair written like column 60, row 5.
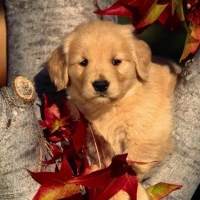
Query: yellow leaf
column 160, row 190
column 152, row 15
column 177, row 7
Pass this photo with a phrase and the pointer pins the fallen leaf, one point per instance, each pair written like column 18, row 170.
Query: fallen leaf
column 160, row 190
column 55, row 185
column 104, row 183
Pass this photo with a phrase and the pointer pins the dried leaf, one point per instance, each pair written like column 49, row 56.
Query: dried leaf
column 160, row 190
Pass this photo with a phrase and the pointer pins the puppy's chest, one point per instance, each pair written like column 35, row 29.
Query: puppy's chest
column 114, row 130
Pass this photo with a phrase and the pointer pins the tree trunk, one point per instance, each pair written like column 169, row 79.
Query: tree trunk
column 21, row 143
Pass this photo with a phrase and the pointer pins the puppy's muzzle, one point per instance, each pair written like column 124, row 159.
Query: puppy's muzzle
column 100, row 85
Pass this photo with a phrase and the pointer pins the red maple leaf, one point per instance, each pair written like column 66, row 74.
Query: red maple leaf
column 105, row 183
column 52, row 117
column 55, row 185
column 56, row 120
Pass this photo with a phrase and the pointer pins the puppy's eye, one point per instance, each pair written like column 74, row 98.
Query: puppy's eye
column 84, row 63
column 116, row 62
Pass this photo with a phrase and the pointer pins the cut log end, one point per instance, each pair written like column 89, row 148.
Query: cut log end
column 23, row 88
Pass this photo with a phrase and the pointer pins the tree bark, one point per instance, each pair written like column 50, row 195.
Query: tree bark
column 36, row 27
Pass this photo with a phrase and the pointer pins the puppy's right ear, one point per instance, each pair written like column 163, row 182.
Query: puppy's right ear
column 57, row 67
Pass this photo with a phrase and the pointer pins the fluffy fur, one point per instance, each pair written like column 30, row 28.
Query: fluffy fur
column 133, row 115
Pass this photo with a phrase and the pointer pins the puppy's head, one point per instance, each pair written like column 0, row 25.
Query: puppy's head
column 99, row 62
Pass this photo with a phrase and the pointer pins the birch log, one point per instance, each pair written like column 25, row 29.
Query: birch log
column 21, row 139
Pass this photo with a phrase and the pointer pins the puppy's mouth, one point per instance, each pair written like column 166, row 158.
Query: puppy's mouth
column 103, row 96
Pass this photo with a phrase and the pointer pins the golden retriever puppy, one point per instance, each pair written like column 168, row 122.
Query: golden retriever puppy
column 124, row 93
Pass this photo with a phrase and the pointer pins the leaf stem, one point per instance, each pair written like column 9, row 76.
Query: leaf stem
column 95, row 144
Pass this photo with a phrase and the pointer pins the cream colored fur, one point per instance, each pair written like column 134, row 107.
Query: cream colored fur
column 134, row 114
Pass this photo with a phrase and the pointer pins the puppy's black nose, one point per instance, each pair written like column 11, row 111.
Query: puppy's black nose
column 101, row 85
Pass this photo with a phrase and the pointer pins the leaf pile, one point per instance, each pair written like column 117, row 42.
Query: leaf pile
column 169, row 13
column 73, row 178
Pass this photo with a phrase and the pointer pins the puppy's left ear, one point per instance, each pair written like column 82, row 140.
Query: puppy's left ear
column 143, row 59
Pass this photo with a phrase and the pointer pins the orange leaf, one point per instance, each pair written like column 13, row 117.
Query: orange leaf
column 160, row 190
column 192, row 41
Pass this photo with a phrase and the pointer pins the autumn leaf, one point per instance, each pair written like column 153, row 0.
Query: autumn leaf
column 52, row 118
column 192, row 41
column 152, row 15
column 51, row 191
column 56, row 121
column 55, row 185
column 50, row 113
column 104, row 183
column 160, row 190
